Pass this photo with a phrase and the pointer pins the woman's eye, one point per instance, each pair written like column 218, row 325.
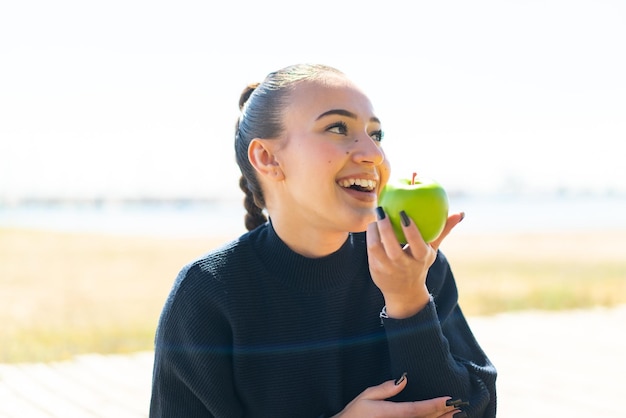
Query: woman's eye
column 338, row 128
column 377, row 135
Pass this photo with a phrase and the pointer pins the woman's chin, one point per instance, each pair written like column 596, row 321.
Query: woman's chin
column 359, row 224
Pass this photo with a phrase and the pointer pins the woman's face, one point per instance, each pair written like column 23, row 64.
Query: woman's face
column 331, row 157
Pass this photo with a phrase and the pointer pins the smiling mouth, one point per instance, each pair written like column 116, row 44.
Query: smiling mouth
column 361, row 185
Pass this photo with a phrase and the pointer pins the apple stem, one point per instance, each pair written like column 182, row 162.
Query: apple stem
column 413, row 178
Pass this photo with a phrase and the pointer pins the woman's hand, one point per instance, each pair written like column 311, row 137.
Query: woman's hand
column 372, row 403
column 400, row 272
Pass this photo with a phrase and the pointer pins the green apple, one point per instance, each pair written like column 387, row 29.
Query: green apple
column 424, row 200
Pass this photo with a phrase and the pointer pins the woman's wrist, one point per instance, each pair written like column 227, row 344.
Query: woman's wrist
column 402, row 306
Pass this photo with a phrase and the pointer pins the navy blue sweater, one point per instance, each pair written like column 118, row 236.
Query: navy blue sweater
column 254, row 329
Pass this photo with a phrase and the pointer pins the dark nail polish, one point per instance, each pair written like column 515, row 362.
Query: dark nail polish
column 462, row 216
column 456, row 403
column 380, row 213
column 461, row 414
column 401, row 379
column 405, row 219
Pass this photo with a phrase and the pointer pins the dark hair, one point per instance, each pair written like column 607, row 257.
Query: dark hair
column 262, row 106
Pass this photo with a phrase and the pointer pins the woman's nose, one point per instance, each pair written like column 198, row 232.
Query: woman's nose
column 368, row 151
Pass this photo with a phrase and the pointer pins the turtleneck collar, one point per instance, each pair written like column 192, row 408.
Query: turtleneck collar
column 308, row 274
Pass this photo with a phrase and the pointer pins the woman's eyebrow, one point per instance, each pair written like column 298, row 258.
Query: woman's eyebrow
column 346, row 113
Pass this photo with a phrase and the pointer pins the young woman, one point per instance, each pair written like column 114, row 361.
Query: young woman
column 318, row 311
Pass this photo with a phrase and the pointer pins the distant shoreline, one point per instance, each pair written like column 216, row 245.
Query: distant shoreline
column 209, row 216
column 97, row 202
column 138, row 200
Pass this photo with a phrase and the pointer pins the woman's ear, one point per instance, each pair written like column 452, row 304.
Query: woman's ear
column 262, row 158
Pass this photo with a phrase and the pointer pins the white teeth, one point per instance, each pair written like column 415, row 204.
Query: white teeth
column 364, row 183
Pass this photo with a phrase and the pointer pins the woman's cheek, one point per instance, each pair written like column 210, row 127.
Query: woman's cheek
column 384, row 171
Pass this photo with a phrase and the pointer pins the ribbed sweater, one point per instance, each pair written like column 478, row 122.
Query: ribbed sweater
column 253, row 329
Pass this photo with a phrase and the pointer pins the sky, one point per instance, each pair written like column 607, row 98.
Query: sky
column 139, row 98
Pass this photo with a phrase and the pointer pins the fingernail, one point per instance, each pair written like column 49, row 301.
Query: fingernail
column 380, row 213
column 405, row 219
column 462, row 216
column 401, row 379
column 461, row 414
column 456, row 403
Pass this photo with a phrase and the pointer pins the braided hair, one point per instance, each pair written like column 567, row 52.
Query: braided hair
column 262, row 106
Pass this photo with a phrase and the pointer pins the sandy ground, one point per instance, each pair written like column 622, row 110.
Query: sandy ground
column 557, row 364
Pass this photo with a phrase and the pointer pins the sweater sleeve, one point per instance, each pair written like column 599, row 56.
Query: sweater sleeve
column 439, row 352
column 192, row 374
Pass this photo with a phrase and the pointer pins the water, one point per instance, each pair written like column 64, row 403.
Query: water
column 170, row 220
column 542, row 213
column 225, row 218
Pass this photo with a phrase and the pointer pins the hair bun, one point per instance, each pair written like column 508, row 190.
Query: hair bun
column 245, row 94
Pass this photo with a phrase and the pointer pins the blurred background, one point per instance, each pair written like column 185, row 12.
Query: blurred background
column 137, row 99
column 116, row 120
column 117, row 168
